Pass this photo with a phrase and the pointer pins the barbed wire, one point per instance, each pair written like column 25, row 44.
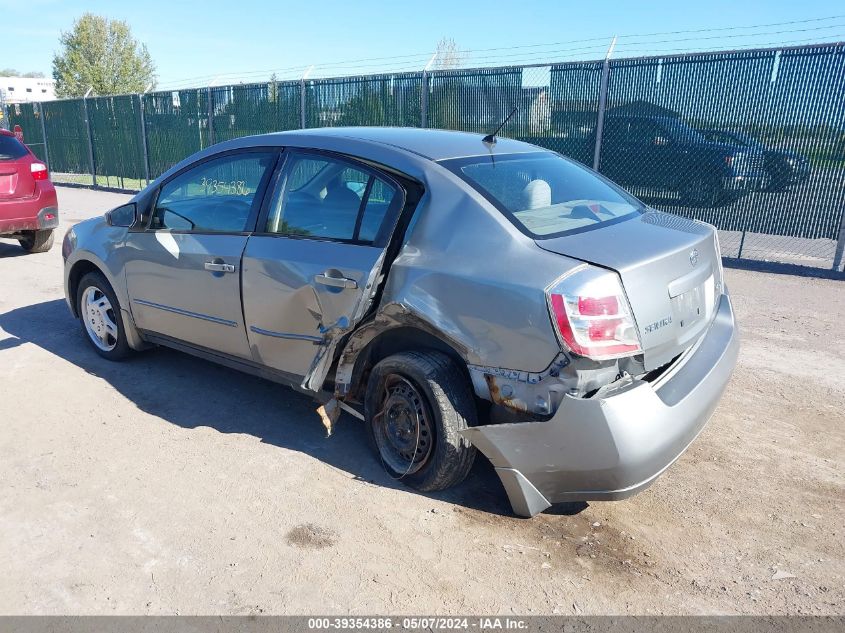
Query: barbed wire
column 415, row 61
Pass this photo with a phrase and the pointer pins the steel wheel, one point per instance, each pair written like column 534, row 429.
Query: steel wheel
column 403, row 429
column 99, row 318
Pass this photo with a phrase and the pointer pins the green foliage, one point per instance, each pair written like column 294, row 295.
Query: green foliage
column 101, row 54
column 11, row 72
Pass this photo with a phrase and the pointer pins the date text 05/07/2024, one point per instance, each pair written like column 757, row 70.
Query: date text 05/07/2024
column 418, row 623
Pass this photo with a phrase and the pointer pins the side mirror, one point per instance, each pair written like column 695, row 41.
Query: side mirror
column 122, row 216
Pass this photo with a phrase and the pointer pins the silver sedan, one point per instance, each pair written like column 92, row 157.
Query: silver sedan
column 457, row 293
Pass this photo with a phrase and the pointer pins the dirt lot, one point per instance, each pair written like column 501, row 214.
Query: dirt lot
column 170, row 485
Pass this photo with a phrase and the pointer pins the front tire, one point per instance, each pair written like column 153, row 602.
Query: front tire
column 36, row 241
column 416, row 404
column 99, row 315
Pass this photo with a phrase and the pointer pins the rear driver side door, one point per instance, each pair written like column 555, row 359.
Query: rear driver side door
column 312, row 266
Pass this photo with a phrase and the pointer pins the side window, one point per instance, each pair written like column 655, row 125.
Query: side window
column 302, row 173
column 378, row 202
column 216, row 196
column 328, row 198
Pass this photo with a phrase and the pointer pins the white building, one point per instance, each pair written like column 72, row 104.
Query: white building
column 23, row 89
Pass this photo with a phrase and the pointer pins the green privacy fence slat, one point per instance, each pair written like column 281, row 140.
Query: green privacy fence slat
column 245, row 110
column 573, row 110
column 475, row 100
column 115, row 126
column 723, row 127
column 392, row 100
column 176, row 125
column 786, row 106
column 28, row 116
column 65, row 126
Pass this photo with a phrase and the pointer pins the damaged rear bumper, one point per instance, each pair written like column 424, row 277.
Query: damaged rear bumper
column 616, row 443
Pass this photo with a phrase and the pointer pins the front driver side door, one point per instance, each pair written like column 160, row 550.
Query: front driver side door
column 312, row 266
column 183, row 270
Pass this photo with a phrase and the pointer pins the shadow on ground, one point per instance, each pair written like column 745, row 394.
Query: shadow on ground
column 8, row 248
column 191, row 393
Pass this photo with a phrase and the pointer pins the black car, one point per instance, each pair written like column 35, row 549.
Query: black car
column 657, row 151
column 783, row 168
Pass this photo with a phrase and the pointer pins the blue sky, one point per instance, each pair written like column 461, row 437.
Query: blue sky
column 195, row 43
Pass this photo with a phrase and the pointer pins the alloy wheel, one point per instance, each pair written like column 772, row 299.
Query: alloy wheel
column 99, row 318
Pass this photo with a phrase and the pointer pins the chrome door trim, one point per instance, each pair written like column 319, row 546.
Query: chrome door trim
column 188, row 313
column 298, row 337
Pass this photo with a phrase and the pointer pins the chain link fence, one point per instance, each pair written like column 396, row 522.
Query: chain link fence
column 751, row 141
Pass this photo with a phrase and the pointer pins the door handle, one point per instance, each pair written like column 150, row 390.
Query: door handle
column 336, row 282
column 219, row 268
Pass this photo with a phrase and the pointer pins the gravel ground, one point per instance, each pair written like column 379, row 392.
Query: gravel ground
column 167, row 484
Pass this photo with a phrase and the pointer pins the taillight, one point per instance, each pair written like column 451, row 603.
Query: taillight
column 39, row 171
column 592, row 315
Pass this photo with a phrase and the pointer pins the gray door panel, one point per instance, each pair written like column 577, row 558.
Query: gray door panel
column 298, row 294
column 172, row 292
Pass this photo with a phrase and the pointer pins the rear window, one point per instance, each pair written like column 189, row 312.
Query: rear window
column 11, row 148
column 544, row 194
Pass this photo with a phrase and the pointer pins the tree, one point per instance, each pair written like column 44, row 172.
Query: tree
column 11, row 72
column 101, row 54
column 449, row 56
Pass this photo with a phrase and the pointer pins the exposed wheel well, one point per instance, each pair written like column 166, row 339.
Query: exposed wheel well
column 79, row 270
column 394, row 341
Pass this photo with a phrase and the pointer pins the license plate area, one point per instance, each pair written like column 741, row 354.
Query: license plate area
column 688, row 307
column 691, row 310
column 8, row 182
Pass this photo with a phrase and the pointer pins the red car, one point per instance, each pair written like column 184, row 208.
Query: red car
column 29, row 211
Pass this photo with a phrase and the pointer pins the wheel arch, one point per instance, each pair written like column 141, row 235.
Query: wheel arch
column 77, row 271
column 81, row 267
column 377, row 340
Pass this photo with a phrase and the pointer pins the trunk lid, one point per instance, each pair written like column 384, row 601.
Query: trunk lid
column 670, row 270
column 16, row 179
column 13, row 179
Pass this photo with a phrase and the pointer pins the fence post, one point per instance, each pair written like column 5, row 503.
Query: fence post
column 144, row 138
column 424, row 100
column 90, row 139
column 302, row 99
column 44, row 134
column 424, row 92
column 605, row 75
column 210, row 116
column 302, row 104
column 840, row 244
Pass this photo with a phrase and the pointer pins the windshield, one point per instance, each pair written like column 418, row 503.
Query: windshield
column 544, row 194
column 11, row 148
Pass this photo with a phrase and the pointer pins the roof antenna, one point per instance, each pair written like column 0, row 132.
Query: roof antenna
column 490, row 139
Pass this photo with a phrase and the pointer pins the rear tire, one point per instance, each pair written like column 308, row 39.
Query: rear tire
column 100, row 318
column 415, row 406
column 37, row 241
column 701, row 191
column 778, row 181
